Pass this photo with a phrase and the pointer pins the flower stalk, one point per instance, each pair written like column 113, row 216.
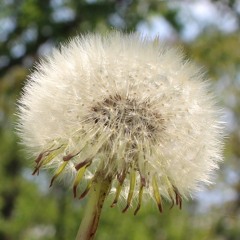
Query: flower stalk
column 98, row 192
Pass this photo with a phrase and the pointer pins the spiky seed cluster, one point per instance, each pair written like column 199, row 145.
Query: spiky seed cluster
column 125, row 109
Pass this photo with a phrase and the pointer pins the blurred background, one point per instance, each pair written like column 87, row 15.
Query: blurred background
column 209, row 33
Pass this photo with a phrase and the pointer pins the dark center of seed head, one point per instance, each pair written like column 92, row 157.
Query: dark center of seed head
column 130, row 115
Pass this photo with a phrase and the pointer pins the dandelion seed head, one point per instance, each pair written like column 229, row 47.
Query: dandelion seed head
column 125, row 108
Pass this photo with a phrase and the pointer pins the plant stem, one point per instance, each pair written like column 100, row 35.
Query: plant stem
column 97, row 195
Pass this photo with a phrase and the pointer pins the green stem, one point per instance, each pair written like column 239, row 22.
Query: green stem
column 97, row 195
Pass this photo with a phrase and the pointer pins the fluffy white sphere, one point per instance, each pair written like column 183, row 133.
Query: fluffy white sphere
column 125, row 108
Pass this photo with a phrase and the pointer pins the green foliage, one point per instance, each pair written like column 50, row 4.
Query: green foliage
column 148, row 224
column 218, row 52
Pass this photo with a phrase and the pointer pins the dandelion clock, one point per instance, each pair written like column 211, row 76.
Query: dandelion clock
column 121, row 116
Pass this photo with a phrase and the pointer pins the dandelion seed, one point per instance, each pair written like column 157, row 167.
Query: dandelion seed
column 126, row 111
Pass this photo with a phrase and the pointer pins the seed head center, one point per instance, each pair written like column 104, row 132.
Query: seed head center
column 128, row 115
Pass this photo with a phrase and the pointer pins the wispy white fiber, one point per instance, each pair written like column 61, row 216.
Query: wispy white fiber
column 134, row 110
